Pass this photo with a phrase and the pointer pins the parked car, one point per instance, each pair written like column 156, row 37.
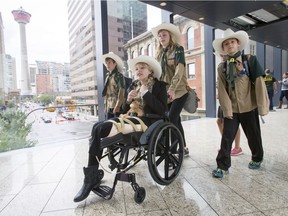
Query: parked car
column 68, row 116
column 46, row 119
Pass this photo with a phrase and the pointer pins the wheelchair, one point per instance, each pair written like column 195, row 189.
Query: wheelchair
column 161, row 145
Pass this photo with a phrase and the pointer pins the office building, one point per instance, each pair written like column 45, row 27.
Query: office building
column 52, row 78
column 2, row 60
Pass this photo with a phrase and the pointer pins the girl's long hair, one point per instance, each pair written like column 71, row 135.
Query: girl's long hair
column 171, row 47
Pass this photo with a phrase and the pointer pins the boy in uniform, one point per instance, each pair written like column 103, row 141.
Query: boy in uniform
column 114, row 88
column 242, row 97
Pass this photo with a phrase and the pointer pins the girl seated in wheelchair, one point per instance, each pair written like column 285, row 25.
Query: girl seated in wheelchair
column 147, row 94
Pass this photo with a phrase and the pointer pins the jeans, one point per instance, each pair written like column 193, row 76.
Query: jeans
column 251, row 127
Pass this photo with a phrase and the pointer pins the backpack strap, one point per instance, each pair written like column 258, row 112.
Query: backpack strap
column 224, row 67
column 245, row 64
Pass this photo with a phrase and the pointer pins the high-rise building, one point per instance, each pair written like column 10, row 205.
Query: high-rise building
column 22, row 18
column 121, row 14
column 2, row 60
column 52, row 78
column 10, row 79
column 82, row 51
column 125, row 21
column 32, row 72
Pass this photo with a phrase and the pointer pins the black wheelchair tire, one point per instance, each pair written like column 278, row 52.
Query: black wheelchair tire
column 140, row 195
column 161, row 138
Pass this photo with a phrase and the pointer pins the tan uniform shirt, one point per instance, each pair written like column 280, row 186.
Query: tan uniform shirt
column 175, row 76
column 114, row 97
column 243, row 98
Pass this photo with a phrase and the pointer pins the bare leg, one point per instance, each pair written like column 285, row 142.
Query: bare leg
column 220, row 124
column 237, row 139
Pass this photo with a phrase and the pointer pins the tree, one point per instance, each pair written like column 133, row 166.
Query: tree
column 45, row 99
column 10, row 104
column 14, row 131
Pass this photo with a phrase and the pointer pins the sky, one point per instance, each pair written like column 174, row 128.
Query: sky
column 46, row 34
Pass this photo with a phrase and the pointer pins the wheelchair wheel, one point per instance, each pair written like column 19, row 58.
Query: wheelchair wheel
column 165, row 153
column 139, row 195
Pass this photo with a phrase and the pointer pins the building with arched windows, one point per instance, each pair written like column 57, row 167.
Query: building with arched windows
column 191, row 39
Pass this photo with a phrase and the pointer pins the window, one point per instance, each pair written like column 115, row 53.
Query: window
column 191, row 71
column 252, row 49
column 190, row 38
column 133, row 55
column 150, row 50
column 142, row 51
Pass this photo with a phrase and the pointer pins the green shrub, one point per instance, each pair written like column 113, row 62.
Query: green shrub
column 14, row 131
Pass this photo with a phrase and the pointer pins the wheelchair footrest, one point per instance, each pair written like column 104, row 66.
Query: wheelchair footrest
column 104, row 191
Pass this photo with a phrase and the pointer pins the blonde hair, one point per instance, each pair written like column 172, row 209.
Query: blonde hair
column 172, row 45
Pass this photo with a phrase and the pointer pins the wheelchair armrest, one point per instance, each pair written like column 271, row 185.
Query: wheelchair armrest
column 146, row 135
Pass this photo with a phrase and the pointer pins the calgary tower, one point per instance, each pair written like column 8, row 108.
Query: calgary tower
column 22, row 17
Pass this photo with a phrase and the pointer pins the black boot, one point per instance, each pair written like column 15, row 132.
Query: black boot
column 92, row 179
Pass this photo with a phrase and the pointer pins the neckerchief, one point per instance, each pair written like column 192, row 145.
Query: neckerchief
column 232, row 68
column 163, row 59
column 108, row 77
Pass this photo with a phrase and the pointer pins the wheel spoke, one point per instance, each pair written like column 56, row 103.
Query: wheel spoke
column 165, row 148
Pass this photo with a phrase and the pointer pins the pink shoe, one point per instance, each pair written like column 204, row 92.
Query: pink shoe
column 235, row 152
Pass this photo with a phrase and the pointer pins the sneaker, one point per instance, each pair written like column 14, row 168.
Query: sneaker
column 219, row 173
column 254, row 165
column 235, row 152
column 186, row 152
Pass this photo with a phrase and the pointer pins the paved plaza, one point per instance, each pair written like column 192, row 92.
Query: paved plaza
column 43, row 180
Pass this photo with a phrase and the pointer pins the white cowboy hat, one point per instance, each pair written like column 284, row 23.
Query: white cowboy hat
column 174, row 30
column 241, row 36
column 148, row 60
column 116, row 58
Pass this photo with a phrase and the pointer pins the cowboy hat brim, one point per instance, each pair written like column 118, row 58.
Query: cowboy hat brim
column 241, row 36
column 148, row 60
column 116, row 58
column 174, row 30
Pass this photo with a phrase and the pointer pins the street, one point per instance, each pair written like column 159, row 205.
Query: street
column 60, row 129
